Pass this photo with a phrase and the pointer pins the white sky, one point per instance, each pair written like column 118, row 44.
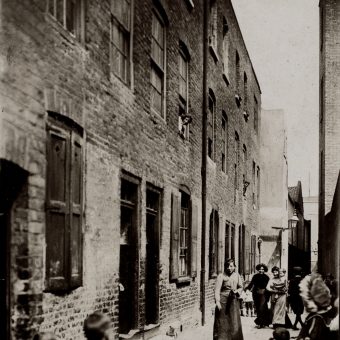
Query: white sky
column 282, row 38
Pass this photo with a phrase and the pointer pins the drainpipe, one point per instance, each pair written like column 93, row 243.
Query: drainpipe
column 204, row 152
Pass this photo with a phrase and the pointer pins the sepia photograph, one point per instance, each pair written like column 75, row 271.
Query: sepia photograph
column 169, row 169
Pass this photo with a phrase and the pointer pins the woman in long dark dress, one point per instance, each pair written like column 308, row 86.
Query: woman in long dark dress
column 227, row 325
column 258, row 286
column 294, row 297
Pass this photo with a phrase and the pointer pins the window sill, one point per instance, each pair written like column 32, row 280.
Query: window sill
column 225, row 175
column 211, row 162
column 156, row 117
column 213, row 53
column 116, row 78
column 225, row 78
column 70, row 37
column 134, row 332
column 183, row 281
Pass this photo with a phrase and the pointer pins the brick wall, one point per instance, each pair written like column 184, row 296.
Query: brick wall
column 45, row 68
column 329, row 111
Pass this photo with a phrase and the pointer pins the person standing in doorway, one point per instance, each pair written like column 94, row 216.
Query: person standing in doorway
column 294, row 297
column 227, row 325
column 258, row 286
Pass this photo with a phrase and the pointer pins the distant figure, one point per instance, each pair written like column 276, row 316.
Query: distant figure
column 294, row 297
column 258, row 286
column 247, row 298
column 227, row 325
column 278, row 289
column 317, row 300
column 280, row 333
column 45, row 336
column 97, row 326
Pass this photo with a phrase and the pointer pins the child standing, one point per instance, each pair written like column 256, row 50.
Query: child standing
column 247, row 298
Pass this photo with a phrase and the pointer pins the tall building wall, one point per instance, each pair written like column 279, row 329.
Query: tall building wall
column 329, row 112
column 274, row 186
column 49, row 76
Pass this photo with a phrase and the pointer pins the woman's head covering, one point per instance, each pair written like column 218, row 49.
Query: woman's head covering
column 95, row 325
column 261, row 265
column 315, row 293
column 275, row 268
column 281, row 333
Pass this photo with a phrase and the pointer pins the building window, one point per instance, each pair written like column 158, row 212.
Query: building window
column 253, row 253
column 227, row 252
column 64, row 205
column 213, row 244
column 224, row 142
column 254, row 183
column 183, row 245
column 232, row 242
column 258, row 186
column 158, row 65
column 183, row 118
column 245, row 90
column 237, row 72
column 256, row 112
column 120, row 39
column 237, row 149
column 225, row 62
column 211, row 124
column 70, row 14
column 213, row 28
column 184, row 236
column 241, row 249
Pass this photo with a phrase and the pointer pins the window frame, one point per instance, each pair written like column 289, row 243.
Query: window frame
column 213, row 243
column 159, row 70
column 211, row 125
column 187, row 211
column 183, row 58
column 78, row 19
column 225, row 144
column 127, row 33
column 72, row 133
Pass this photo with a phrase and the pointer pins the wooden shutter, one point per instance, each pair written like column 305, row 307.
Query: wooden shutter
column 220, row 256
column 76, row 239
column 57, row 207
column 175, row 221
column 247, row 252
column 194, row 232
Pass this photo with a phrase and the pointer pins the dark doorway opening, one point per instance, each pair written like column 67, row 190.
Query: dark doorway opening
column 12, row 179
column 152, row 256
column 128, row 263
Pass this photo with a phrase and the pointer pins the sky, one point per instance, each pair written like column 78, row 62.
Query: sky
column 282, row 38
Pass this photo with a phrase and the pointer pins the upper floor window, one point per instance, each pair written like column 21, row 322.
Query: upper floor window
column 245, row 157
column 237, row 71
column 64, row 204
column 225, row 57
column 70, row 14
column 254, row 183
column 245, row 90
column 183, row 119
column 256, row 108
column 224, row 142
column 120, row 38
column 213, row 29
column 258, row 186
column 211, row 124
column 158, row 64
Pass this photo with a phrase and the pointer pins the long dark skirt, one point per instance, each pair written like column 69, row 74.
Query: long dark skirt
column 261, row 306
column 227, row 325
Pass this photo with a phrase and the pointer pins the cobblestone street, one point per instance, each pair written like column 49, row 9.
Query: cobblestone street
column 249, row 331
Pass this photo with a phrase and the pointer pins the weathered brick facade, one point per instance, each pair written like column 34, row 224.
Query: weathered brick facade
column 329, row 143
column 46, row 69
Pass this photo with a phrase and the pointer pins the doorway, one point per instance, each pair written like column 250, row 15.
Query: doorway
column 12, row 179
column 152, row 256
column 128, row 262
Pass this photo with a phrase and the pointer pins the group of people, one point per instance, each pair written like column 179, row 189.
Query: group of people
column 312, row 293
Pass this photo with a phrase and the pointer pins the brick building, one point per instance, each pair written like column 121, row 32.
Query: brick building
column 329, row 127
column 274, row 189
column 101, row 144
